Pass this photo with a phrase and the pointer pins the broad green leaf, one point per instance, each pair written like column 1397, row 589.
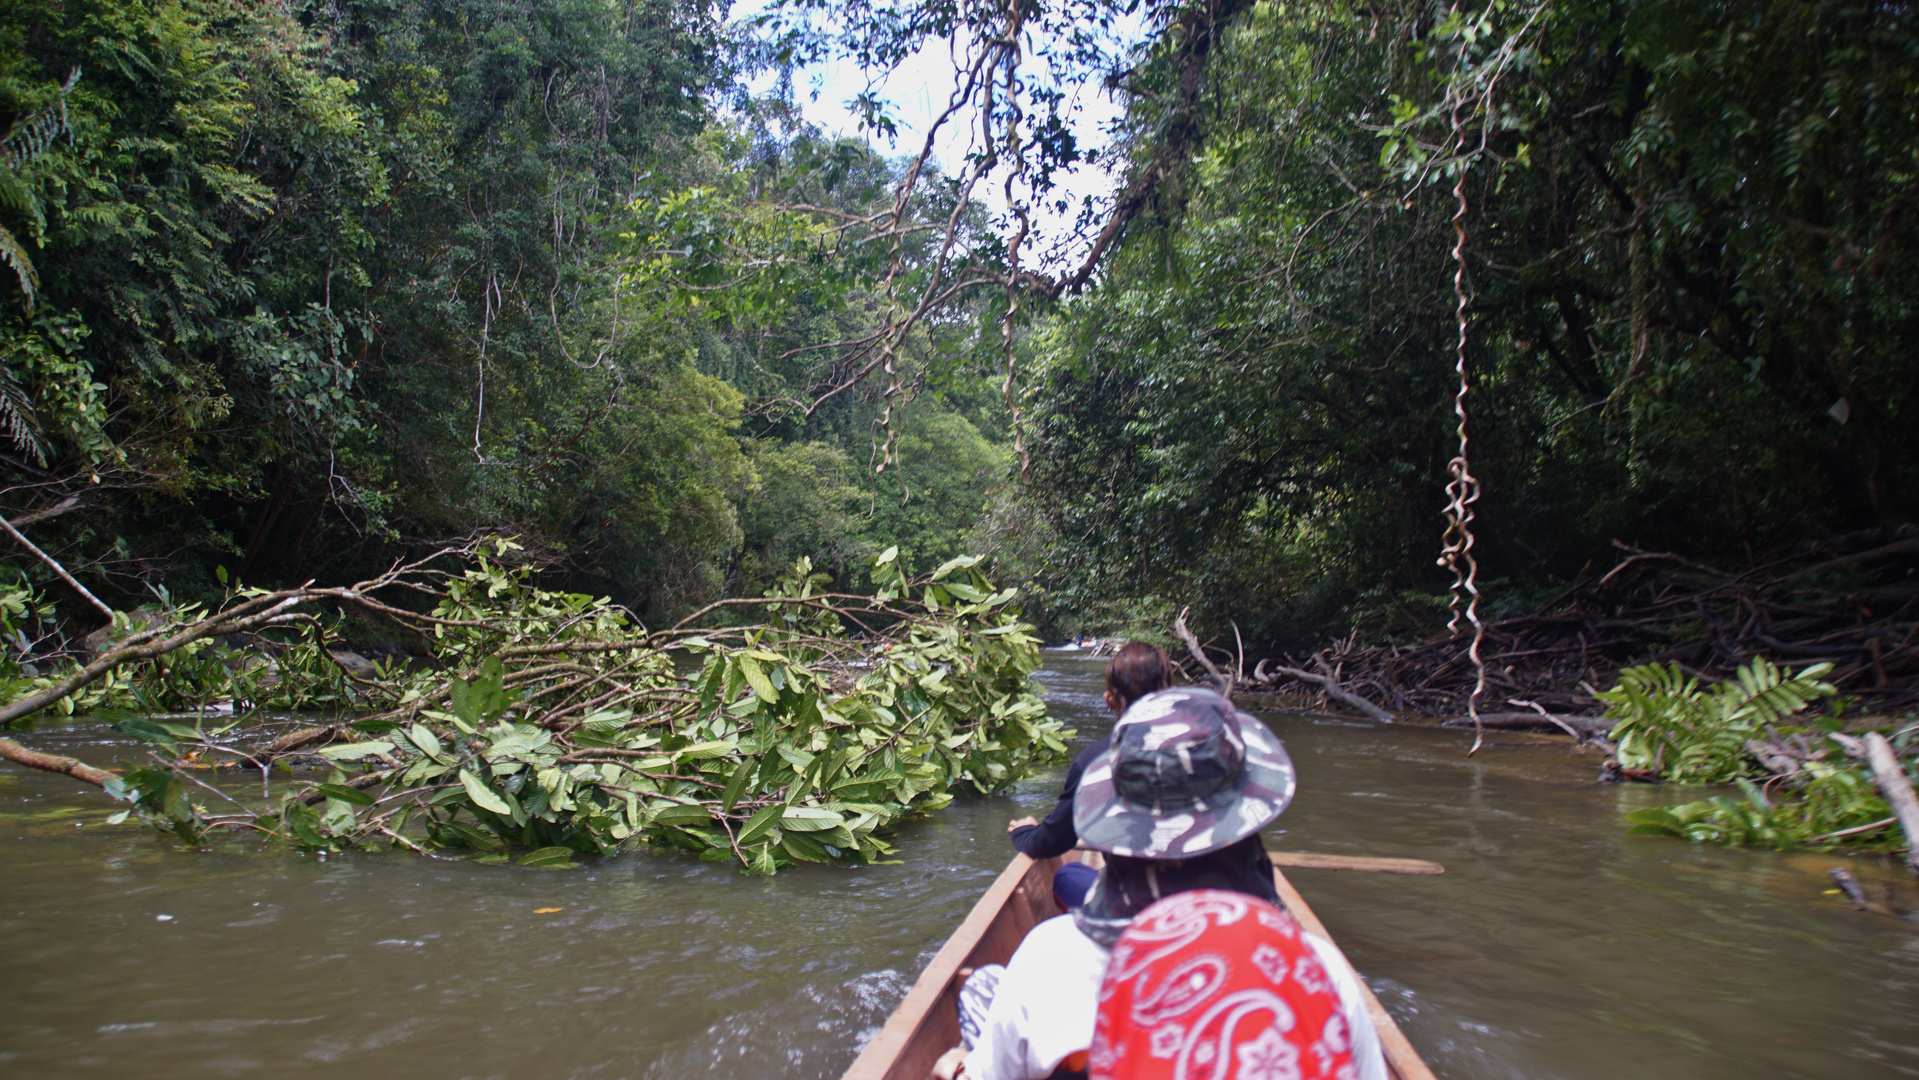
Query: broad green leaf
column 809, row 819
column 762, row 686
column 801, row 847
column 147, row 731
column 482, row 796
column 345, row 794
column 763, row 860
column 548, row 857
column 682, row 815
column 736, row 784
column 759, row 825
column 703, row 751
column 960, row 563
column 424, row 739
column 355, row 751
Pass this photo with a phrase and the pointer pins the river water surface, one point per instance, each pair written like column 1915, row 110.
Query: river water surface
column 1554, row 947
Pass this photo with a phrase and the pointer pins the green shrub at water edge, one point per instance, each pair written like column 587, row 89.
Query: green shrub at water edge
column 1688, row 730
column 1668, row 721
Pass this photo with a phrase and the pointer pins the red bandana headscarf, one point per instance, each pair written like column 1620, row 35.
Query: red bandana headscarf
column 1213, row 985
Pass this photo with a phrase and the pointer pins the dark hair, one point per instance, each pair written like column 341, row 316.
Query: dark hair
column 1136, row 670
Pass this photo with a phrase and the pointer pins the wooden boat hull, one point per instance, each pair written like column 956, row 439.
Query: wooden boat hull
column 926, row 1023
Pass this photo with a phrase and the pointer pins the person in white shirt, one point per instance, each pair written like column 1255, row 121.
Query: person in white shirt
column 1211, row 983
column 1176, row 803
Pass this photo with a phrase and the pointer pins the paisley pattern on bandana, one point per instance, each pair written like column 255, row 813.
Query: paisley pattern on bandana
column 1214, row 985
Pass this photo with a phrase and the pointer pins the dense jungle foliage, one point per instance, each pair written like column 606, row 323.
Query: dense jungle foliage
column 298, row 286
column 1688, row 239
column 295, row 287
column 292, row 293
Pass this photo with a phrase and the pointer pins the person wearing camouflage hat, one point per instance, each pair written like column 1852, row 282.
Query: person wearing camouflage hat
column 1177, row 803
column 1186, row 774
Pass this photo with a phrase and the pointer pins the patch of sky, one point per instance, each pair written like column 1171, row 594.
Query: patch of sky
column 917, row 91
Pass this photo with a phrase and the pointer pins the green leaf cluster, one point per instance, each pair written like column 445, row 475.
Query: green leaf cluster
column 1830, row 799
column 1693, row 731
column 1669, row 722
column 555, row 722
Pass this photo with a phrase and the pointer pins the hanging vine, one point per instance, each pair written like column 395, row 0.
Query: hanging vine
column 1469, row 96
column 1462, row 489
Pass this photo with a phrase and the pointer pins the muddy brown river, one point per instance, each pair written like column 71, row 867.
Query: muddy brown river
column 1555, row 946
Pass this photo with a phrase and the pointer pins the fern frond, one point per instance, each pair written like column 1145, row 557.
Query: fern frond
column 1772, row 696
column 1664, row 719
column 15, row 256
column 15, row 195
column 17, row 417
column 33, row 135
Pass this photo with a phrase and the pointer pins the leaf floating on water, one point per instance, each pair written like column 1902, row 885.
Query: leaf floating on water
column 547, row 910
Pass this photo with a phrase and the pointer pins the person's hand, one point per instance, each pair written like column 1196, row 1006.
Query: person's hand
column 1019, row 822
column 950, row 1064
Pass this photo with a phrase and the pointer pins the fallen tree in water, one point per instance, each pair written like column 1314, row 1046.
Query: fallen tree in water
column 795, row 727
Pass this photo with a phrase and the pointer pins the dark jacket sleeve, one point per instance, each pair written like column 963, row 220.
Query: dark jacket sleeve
column 1055, row 835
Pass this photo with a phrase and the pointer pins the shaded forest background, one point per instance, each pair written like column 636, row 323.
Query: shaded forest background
column 291, row 290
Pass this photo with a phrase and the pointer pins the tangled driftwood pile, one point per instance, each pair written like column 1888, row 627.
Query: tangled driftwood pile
column 1851, row 600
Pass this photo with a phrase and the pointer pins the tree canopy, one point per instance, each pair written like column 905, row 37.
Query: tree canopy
column 290, row 289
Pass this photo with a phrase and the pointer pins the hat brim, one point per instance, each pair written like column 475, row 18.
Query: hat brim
column 1108, row 822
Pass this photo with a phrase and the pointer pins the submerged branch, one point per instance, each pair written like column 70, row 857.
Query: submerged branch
column 54, row 763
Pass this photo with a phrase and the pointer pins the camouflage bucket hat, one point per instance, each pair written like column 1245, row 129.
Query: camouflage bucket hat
column 1186, row 774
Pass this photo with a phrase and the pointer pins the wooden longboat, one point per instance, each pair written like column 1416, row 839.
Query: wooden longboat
column 926, row 1023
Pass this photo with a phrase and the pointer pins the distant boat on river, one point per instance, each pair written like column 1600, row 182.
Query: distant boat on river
column 1090, row 645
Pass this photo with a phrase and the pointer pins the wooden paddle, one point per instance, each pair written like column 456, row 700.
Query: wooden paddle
column 1309, row 861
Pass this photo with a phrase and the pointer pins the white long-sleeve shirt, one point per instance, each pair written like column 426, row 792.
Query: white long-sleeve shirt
column 1048, row 999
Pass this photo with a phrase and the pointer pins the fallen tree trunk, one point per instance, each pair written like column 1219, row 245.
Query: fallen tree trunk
column 1220, row 682
column 54, row 763
column 1891, row 779
column 1579, row 727
column 1331, row 688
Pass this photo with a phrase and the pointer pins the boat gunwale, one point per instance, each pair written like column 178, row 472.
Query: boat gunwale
column 884, row 1057
column 891, row 1053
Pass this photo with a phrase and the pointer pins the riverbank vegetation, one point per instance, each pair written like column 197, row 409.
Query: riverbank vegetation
column 301, row 293
column 1802, row 781
column 1688, row 237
